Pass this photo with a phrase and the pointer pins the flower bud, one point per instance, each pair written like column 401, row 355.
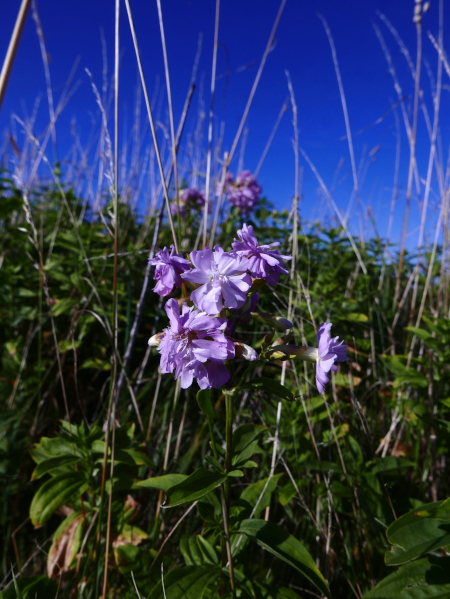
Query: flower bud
column 244, row 351
column 156, row 339
column 277, row 322
column 286, row 352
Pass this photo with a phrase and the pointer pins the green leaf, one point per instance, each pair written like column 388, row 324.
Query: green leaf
column 245, row 434
column 31, row 587
column 162, row 483
column 214, row 463
column 414, row 535
column 197, row 551
column 198, row 484
column 420, row 333
column 442, row 427
column 54, row 493
column 52, row 463
column 356, row 317
column 271, row 385
column 205, row 403
column 236, row 474
column 253, row 492
column 426, row 578
column 133, row 457
column 286, row 547
column 190, row 582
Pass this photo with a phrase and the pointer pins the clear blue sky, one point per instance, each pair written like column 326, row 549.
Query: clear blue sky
column 72, row 28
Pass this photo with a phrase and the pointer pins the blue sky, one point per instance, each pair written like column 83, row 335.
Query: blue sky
column 73, row 29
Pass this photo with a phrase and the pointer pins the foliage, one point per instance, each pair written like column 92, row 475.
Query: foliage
column 357, row 493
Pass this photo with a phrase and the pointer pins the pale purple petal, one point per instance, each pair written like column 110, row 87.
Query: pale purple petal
column 329, row 352
column 264, row 262
column 218, row 374
column 191, row 340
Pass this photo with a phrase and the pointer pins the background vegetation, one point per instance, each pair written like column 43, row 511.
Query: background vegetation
column 334, row 471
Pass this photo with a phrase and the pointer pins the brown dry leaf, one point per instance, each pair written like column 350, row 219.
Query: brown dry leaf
column 133, row 506
column 63, row 549
column 65, row 510
column 129, row 534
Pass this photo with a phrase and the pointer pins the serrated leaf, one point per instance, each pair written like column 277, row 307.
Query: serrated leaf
column 54, row 493
column 286, row 547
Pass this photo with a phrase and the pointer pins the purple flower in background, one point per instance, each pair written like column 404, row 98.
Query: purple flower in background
column 263, row 261
column 168, row 268
column 194, row 346
column 222, row 277
column 328, row 352
column 243, row 193
column 190, row 199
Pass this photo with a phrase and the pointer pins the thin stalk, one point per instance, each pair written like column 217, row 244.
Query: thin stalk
column 12, row 48
column 230, row 155
column 172, row 128
column 412, row 161
column 167, row 452
column 152, row 125
column 210, row 127
column 434, row 134
column 112, row 404
column 272, row 135
column 344, row 108
column 140, row 304
column 229, row 398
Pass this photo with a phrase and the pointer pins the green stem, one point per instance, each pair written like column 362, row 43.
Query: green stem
column 213, row 440
column 229, row 398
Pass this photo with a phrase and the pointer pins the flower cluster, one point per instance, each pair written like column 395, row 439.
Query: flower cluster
column 191, row 199
column 243, row 193
column 197, row 344
column 194, row 346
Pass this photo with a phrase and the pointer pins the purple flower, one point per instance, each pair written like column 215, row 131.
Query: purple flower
column 194, row 346
column 263, row 261
column 244, row 192
column 168, row 268
column 190, row 199
column 222, row 277
column 328, row 352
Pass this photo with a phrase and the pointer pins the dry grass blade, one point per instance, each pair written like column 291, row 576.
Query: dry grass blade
column 229, row 156
column 12, row 48
column 344, row 107
column 112, row 404
column 336, row 209
column 210, row 126
column 172, row 128
column 152, row 125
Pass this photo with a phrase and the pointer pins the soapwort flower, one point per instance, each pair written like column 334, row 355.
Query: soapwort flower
column 263, row 261
column 244, row 192
column 194, row 346
column 327, row 352
column 191, row 199
column 168, row 268
column 222, row 278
